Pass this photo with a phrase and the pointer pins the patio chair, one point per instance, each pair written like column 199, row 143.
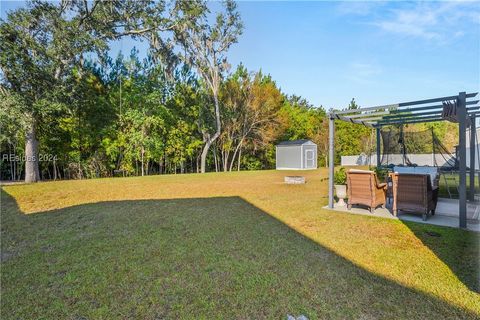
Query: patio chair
column 363, row 188
column 414, row 192
column 432, row 171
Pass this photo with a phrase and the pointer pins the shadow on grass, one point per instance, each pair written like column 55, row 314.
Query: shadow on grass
column 186, row 258
column 458, row 249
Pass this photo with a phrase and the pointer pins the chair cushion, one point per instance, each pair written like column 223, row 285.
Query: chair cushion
column 432, row 171
column 360, row 171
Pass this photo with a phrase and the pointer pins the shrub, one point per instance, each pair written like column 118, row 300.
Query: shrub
column 340, row 176
column 381, row 173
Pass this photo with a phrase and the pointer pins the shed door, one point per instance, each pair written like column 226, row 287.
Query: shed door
column 309, row 159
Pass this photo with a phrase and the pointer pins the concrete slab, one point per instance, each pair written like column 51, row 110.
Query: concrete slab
column 446, row 214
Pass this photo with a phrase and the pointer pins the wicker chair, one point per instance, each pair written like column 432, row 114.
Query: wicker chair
column 414, row 192
column 363, row 188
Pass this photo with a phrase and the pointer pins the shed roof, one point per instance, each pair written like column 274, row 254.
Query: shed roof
column 295, row 142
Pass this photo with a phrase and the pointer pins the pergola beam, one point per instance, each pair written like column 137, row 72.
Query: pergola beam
column 367, row 118
column 408, row 120
column 437, row 106
column 439, row 112
column 442, row 99
column 409, row 115
column 347, row 119
column 378, row 108
column 408, row 112
column 403, row 104
column 370, row 120
column 369, row 114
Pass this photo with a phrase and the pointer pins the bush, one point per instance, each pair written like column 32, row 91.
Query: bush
column 340, row 176
column 381, row 173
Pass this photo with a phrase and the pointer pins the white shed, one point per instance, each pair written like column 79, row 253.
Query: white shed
column 296, row 155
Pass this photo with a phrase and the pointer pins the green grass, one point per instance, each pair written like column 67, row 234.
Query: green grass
column 237, row 245
column 453, row 183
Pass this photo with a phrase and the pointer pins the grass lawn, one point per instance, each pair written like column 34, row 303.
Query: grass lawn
column 453, row 181
column 236, row 245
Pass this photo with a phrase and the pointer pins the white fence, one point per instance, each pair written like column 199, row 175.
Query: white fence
column 419, row 159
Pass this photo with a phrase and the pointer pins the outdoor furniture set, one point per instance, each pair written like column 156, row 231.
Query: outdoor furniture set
column 413, row 189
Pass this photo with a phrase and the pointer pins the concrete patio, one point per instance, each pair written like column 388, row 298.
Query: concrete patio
column 446, row 214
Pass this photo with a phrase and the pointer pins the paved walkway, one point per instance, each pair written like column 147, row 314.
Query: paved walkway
column 446, row 214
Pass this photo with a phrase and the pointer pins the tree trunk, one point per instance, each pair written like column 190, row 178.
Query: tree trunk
column 14, row 177
column 239, row 158
column 197, row 163
column 210, row 139
column 222, row 157
column 225, row 160
column 215, row 158
column 59, row 173
column 32, row 173
column 203, row 158
column 12, row 163
column 239, row 145
column 54, row 169
column 143, row 164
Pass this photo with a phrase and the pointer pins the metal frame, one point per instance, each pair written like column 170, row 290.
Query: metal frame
column 428, row 110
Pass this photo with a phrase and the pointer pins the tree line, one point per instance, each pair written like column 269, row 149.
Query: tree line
column 70, row 111
column 129, row 117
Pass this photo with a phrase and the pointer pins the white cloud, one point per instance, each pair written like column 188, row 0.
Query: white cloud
column 435, row 21
column 416, row 22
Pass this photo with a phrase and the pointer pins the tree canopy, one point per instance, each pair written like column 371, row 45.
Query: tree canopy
column 68, row 110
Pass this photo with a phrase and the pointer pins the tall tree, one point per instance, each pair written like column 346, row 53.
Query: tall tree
column 251, row 105
column 11, row 124
column 351, row 138
column 205, row 47
column 40, row 45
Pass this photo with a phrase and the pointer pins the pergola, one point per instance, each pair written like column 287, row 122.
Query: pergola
column 421, row 111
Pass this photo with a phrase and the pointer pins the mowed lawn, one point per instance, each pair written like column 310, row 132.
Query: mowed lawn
column 222, row 245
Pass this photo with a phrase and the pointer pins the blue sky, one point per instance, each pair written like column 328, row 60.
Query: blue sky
column 377, row 52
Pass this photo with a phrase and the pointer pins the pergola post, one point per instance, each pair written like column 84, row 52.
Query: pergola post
column 473, row 130
column 331, row 158
column 378, row 147
column 462, row 155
